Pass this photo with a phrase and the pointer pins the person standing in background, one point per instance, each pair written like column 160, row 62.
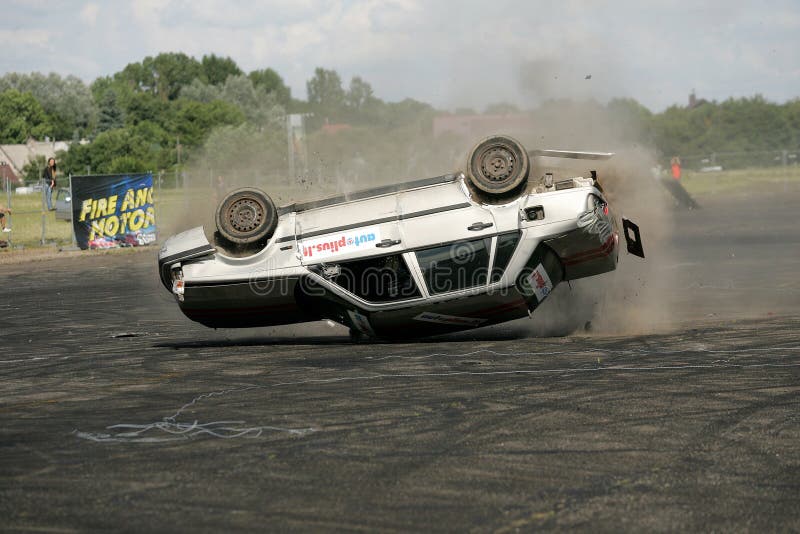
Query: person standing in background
column 49, row 182
column 3, row 211
column 676, row 167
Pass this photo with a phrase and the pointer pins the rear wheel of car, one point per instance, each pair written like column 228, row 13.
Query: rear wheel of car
column 246, row 216
column 498, row 165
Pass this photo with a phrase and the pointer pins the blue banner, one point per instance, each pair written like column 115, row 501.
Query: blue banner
column 113, row 211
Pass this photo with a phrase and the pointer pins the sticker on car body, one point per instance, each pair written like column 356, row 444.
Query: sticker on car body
column 441, row 318
column 540, row 282
column 340, row 243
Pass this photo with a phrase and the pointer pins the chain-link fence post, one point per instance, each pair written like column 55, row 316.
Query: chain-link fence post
column 44, row 212
column 74, row 239
column 9, row 225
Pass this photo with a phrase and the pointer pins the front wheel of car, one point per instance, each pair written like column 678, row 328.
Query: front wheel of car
column 498, row 165
column 246, row 216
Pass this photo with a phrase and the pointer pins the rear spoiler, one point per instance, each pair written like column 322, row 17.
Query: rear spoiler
column 570, row 154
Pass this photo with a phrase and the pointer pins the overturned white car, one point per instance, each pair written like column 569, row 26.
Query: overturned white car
column 415, row 259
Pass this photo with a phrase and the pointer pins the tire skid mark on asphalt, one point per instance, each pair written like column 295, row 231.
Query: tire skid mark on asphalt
column 176, row 430
column 181, row 431
column 621, row 352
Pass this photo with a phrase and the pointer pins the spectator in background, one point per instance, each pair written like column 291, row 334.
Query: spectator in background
column 3, row 212
column 49, row 182
column 676, row 167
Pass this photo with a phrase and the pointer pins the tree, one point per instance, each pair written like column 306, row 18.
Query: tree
column 325, row 89
column 163, row 75
column 131, row 149
column 67, row 101
column 194, row 120
column 259, row 107
column 201, row 92
column 32, row 171
column 22, row 117
column 143, row 107
column 359, row 95
column 110, row 114
column 272, row 82
column 217, row 69
column 408, row 112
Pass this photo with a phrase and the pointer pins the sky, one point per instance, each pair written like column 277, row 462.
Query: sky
column 447, row 53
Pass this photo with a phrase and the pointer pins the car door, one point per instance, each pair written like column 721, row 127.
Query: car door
column 349, row 230
column 442, row 214
column 450, row 238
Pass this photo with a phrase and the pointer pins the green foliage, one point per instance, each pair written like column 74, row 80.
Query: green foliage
column 32, row 171
column 192, row 121
column 217, row 69
column 260, row 107
column 139, row 146
column 271, row 82
column 109, row 115
column 163, row 75
column 325, row 93
column 201, row 91
column 141, row 107
column 68, row 102
column 360, row 95
column 733, row 126
column 22, row 117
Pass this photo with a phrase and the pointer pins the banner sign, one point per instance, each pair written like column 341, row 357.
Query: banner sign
column 113, row 211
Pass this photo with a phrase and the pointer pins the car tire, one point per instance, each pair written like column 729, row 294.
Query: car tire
column 498, row 165
column 246, row 216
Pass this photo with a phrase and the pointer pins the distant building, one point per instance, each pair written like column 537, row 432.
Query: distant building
column 6, row 171
column 694, row 102
column 15, row 157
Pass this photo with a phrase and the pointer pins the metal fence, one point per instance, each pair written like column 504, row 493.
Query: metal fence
column 29, row 220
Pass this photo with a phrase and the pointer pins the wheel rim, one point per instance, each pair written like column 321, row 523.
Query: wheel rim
column 497, row 164
column 246, row 215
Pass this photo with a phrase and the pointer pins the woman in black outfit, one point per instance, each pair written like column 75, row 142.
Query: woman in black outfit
column 49, row 182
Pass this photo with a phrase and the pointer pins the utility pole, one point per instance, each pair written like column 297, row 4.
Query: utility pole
column 73, row 238
column 44, row 206
column 180, row 170
column 9, row 224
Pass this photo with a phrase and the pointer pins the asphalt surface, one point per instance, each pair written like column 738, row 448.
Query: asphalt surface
column 119, row 414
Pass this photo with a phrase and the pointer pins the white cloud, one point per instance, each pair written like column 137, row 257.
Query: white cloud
column 36, row 38
column 450, row 54
column 89, row 13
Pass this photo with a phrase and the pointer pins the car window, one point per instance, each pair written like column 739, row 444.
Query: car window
column 381, row 279
column 506, row 245
column 455, row 266
column 62, row 195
